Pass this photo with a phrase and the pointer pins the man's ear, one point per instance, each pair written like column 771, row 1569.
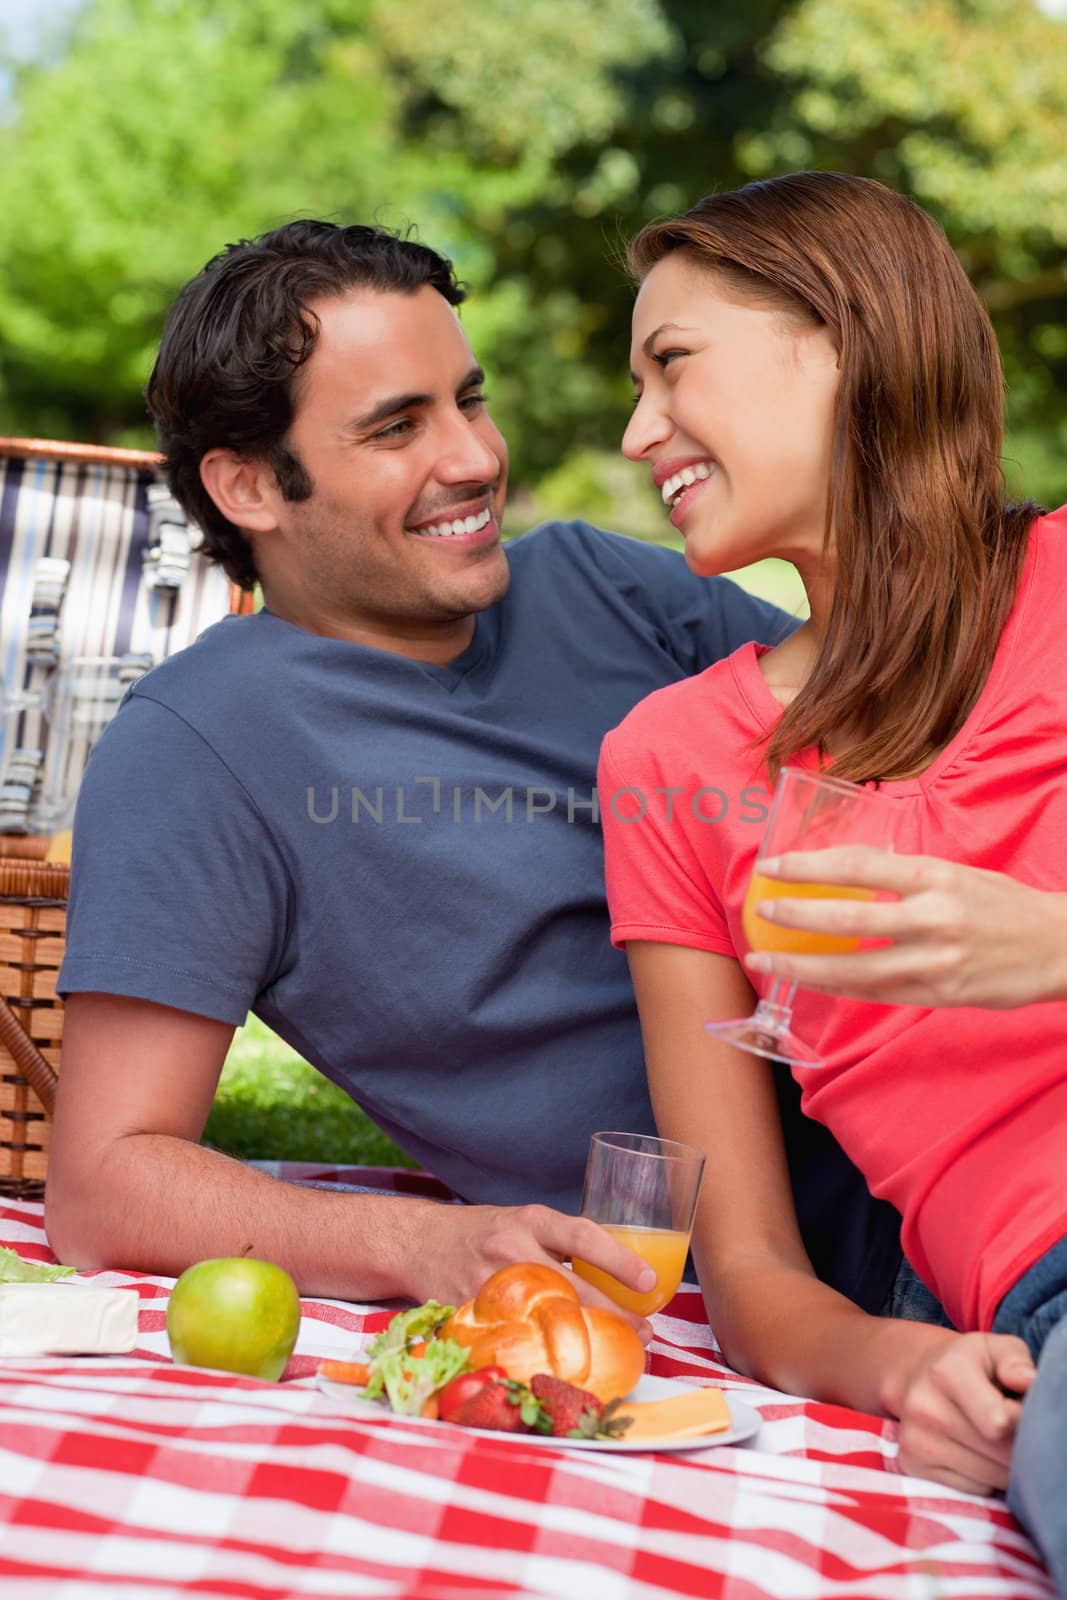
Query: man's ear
column 245, row 491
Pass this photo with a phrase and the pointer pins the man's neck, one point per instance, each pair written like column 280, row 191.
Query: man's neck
column 438, row 644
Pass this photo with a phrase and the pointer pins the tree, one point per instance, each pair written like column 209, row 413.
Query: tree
column 528, row 139
column 961, row 105
column 194, row 124
column 166, row 129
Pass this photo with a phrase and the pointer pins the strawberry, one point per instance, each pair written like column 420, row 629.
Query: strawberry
column 499, row 1405
column 572, row 1411
column 464, row 1387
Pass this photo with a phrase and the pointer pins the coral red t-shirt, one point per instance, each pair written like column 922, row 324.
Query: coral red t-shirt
column 958, row 1117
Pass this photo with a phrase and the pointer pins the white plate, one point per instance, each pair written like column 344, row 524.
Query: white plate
column 745, row 1421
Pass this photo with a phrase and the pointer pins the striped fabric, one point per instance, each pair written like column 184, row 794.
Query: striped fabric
column 89, row 522
column 129, row 1476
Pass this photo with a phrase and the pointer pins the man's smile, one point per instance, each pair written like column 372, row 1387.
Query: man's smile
column 457, row 527
column 469, row 522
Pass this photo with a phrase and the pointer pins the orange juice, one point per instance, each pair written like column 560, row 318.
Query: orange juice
column 763, row 935
column 663, row 1248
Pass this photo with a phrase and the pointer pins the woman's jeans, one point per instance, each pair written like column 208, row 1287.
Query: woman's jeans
column 1036, row 1311
column 911, row 1301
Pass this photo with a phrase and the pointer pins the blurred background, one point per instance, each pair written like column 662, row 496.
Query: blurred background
column 527, row 139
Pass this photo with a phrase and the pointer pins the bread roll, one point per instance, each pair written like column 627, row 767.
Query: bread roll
column 527, row 1318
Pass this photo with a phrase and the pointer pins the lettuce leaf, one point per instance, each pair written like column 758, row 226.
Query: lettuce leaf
column 14, row 1270
column 408, row 1380
column 408, row 1327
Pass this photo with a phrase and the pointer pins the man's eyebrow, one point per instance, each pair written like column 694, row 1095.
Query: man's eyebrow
column 389, row 407
column 664, row 327
column 395, row 403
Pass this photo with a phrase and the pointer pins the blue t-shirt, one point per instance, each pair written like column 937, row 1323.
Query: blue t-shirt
column 398, row 866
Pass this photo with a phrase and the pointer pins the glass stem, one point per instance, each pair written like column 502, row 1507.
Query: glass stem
column 776, row 1009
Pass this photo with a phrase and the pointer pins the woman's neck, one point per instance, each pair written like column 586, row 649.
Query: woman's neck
column 789, row 665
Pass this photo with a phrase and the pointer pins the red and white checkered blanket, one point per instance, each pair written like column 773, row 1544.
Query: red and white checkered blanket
column 129, row 1476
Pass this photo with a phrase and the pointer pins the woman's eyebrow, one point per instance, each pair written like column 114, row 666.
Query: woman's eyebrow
column 674, row 327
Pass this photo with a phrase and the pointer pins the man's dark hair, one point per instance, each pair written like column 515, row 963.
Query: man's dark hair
column 234, row 341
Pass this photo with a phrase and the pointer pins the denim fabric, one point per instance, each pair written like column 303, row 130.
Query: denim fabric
column 910, row 1299
column 1036, row 1310
column 1038, row 1301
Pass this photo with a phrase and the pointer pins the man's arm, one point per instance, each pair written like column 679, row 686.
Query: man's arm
column 129, row 1185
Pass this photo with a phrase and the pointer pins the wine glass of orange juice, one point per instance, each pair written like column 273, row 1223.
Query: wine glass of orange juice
column 643, row 1191
column 809, row 812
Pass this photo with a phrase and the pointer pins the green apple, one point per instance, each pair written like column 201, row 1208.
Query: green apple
column 235, row 1314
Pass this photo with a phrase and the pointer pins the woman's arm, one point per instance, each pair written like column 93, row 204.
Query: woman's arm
column 961, row 936
column 772, row 1317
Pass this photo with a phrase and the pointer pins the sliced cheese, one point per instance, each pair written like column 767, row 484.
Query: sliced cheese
column 65, row 1319
column 681, row 1416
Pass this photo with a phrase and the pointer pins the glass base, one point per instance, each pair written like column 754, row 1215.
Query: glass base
column 766, row 1033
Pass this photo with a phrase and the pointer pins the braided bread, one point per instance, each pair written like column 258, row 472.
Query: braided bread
column 527, row 1318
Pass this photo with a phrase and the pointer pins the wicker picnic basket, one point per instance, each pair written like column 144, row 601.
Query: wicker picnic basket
column 33, row 916
column 92, row 489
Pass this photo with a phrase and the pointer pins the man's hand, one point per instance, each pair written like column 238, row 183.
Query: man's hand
column 961, row 936
column 957, row 1424
column 461, row 1246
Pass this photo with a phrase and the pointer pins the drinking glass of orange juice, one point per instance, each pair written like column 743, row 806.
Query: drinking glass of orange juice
column 809, row 812
column 643, row 1191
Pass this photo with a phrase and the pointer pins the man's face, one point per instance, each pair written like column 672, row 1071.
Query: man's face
column 392, row 428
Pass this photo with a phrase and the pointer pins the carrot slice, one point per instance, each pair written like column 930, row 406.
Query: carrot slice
column 356, row 1372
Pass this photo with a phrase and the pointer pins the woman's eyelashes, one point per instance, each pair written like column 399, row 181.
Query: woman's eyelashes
column 663, row 358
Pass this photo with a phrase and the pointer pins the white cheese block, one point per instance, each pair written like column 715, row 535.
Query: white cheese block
column 66, row 1319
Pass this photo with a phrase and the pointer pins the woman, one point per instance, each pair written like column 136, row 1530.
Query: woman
column 816, row 380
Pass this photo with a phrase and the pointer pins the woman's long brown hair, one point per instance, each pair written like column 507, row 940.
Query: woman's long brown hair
column 928, row 555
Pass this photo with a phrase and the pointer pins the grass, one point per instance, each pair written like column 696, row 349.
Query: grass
column 271, row 1105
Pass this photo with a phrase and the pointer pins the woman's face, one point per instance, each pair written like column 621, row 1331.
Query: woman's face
column 739, row 399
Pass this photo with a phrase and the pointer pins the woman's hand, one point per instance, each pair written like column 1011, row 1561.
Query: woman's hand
column 961, row 936
column 957, row 1424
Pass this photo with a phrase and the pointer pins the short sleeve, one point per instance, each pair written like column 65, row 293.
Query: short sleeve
column 178, row 892
column 658, row 888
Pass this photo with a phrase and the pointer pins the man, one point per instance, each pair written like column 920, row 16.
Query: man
column 368, row 811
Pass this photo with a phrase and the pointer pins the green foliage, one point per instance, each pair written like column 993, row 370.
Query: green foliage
column 187, row 119
column 961, row 105
column 528, row 139
column 610, row 490
column 271, row 1105
column 525, row 79
column 197, row 124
